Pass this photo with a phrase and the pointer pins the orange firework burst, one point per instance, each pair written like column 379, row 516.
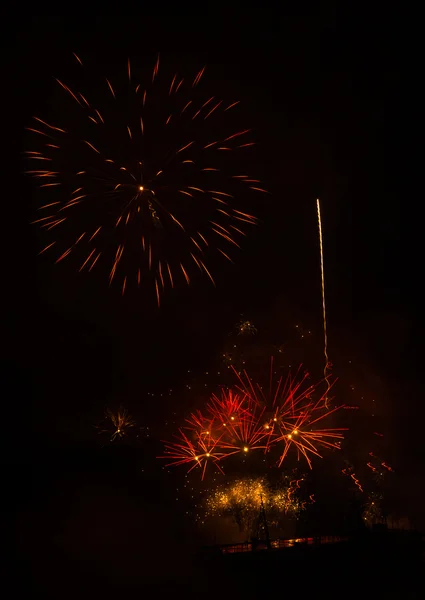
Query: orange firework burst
column 306, row 439
column 200, row 453
column 117, row 423
column 138, row 178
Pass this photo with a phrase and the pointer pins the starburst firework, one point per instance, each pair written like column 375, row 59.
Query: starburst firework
column 198, row 454
column 138, row 176
column 294, row 410
column 246, row 419
column 246, row 328
column 117, row 423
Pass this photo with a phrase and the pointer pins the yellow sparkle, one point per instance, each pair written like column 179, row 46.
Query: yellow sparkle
column 245, row 448
column 141, row 188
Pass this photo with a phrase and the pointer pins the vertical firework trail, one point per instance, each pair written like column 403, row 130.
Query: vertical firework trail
column 327, row 368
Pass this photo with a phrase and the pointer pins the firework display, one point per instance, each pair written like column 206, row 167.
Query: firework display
column 239, row 443
column 372, row 510
column 244, row 420
column 247, row 406
column 117, row 424
column 245, row 499
column 264, row 422
column 246, row 328
column 143, row 173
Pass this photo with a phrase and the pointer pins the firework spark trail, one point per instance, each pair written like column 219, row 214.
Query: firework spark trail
column 135, row 199
column 327, row 368
column 350, row 472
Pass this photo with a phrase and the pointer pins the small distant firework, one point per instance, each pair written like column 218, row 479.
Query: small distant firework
column 372, row 510
column 227, row 358
column 243, row 499
column 117, row 424
column 148, row 178
column 246, row 328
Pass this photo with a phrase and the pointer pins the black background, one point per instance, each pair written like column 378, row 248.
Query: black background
column 328, row 93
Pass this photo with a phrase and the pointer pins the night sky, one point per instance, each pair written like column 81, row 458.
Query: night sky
column 324, row 92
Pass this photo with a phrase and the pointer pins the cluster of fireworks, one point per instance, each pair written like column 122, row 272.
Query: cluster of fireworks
column 290, row 418
column 138, row 178
column 147, row 179
column 243, row 500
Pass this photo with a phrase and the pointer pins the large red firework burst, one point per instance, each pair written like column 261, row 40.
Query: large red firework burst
column 289, row 417
column 295, row 410
column 143, row 173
